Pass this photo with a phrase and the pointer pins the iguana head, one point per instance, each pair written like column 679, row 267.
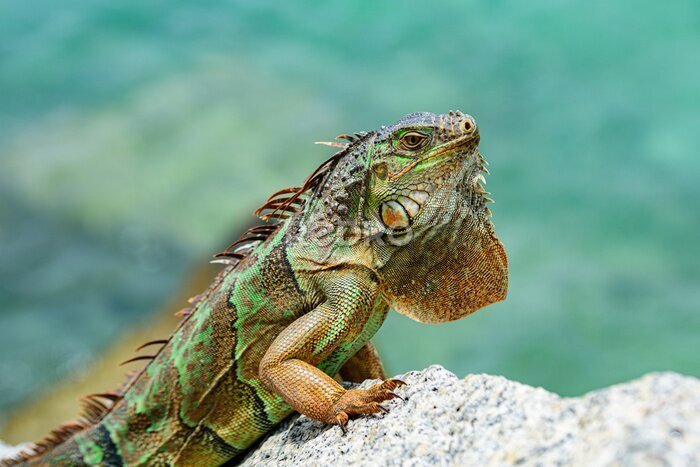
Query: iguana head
column 406, row 201
column 420, row 157
column 438, row 256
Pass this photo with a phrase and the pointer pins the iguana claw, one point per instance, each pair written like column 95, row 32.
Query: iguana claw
column 341, row 424
column 365, row 401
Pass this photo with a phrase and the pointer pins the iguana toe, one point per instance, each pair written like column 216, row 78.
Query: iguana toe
column 365, row 401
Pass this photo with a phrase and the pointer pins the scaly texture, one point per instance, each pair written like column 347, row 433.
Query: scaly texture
column 396, row 219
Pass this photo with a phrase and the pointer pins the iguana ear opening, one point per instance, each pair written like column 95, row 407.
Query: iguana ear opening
column 442, row 279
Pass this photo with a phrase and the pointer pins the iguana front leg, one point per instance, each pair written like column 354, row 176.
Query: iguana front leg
column 288, row 368
column 365, row 364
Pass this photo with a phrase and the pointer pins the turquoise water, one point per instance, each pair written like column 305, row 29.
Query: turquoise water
column 136, row 138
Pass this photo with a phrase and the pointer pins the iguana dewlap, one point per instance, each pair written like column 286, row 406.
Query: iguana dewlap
column 397, row 219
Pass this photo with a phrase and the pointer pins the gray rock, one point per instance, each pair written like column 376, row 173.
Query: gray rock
column 489, row 420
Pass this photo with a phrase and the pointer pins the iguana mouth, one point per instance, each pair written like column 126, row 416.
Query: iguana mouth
column 462, row 141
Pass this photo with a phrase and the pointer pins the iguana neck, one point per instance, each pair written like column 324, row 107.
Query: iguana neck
column 332, row 220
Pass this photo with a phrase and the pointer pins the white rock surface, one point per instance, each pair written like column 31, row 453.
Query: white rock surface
column 488, row 420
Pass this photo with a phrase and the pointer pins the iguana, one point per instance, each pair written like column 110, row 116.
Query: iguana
column 395, row 219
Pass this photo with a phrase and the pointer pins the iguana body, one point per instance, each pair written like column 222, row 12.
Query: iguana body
column 396, row 219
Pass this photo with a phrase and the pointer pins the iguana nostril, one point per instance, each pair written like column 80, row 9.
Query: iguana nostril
column 467, row 126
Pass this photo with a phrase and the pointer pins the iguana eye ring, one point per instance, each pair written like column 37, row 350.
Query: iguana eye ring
column 412, row 140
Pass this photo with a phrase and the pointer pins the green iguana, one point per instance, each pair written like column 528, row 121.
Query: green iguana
column 396, row 219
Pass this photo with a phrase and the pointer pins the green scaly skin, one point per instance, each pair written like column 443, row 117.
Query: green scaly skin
column 396, row 219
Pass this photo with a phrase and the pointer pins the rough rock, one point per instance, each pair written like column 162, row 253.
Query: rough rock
column 489, row 420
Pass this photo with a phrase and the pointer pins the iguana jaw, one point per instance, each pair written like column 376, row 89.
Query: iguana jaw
column 452, row 146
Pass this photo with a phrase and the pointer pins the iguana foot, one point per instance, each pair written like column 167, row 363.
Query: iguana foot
column 365, row 401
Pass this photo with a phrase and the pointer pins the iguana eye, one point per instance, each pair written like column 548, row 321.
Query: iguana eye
column 412, row 140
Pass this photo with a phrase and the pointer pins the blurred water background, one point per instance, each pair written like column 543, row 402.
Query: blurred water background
column 136, row 137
